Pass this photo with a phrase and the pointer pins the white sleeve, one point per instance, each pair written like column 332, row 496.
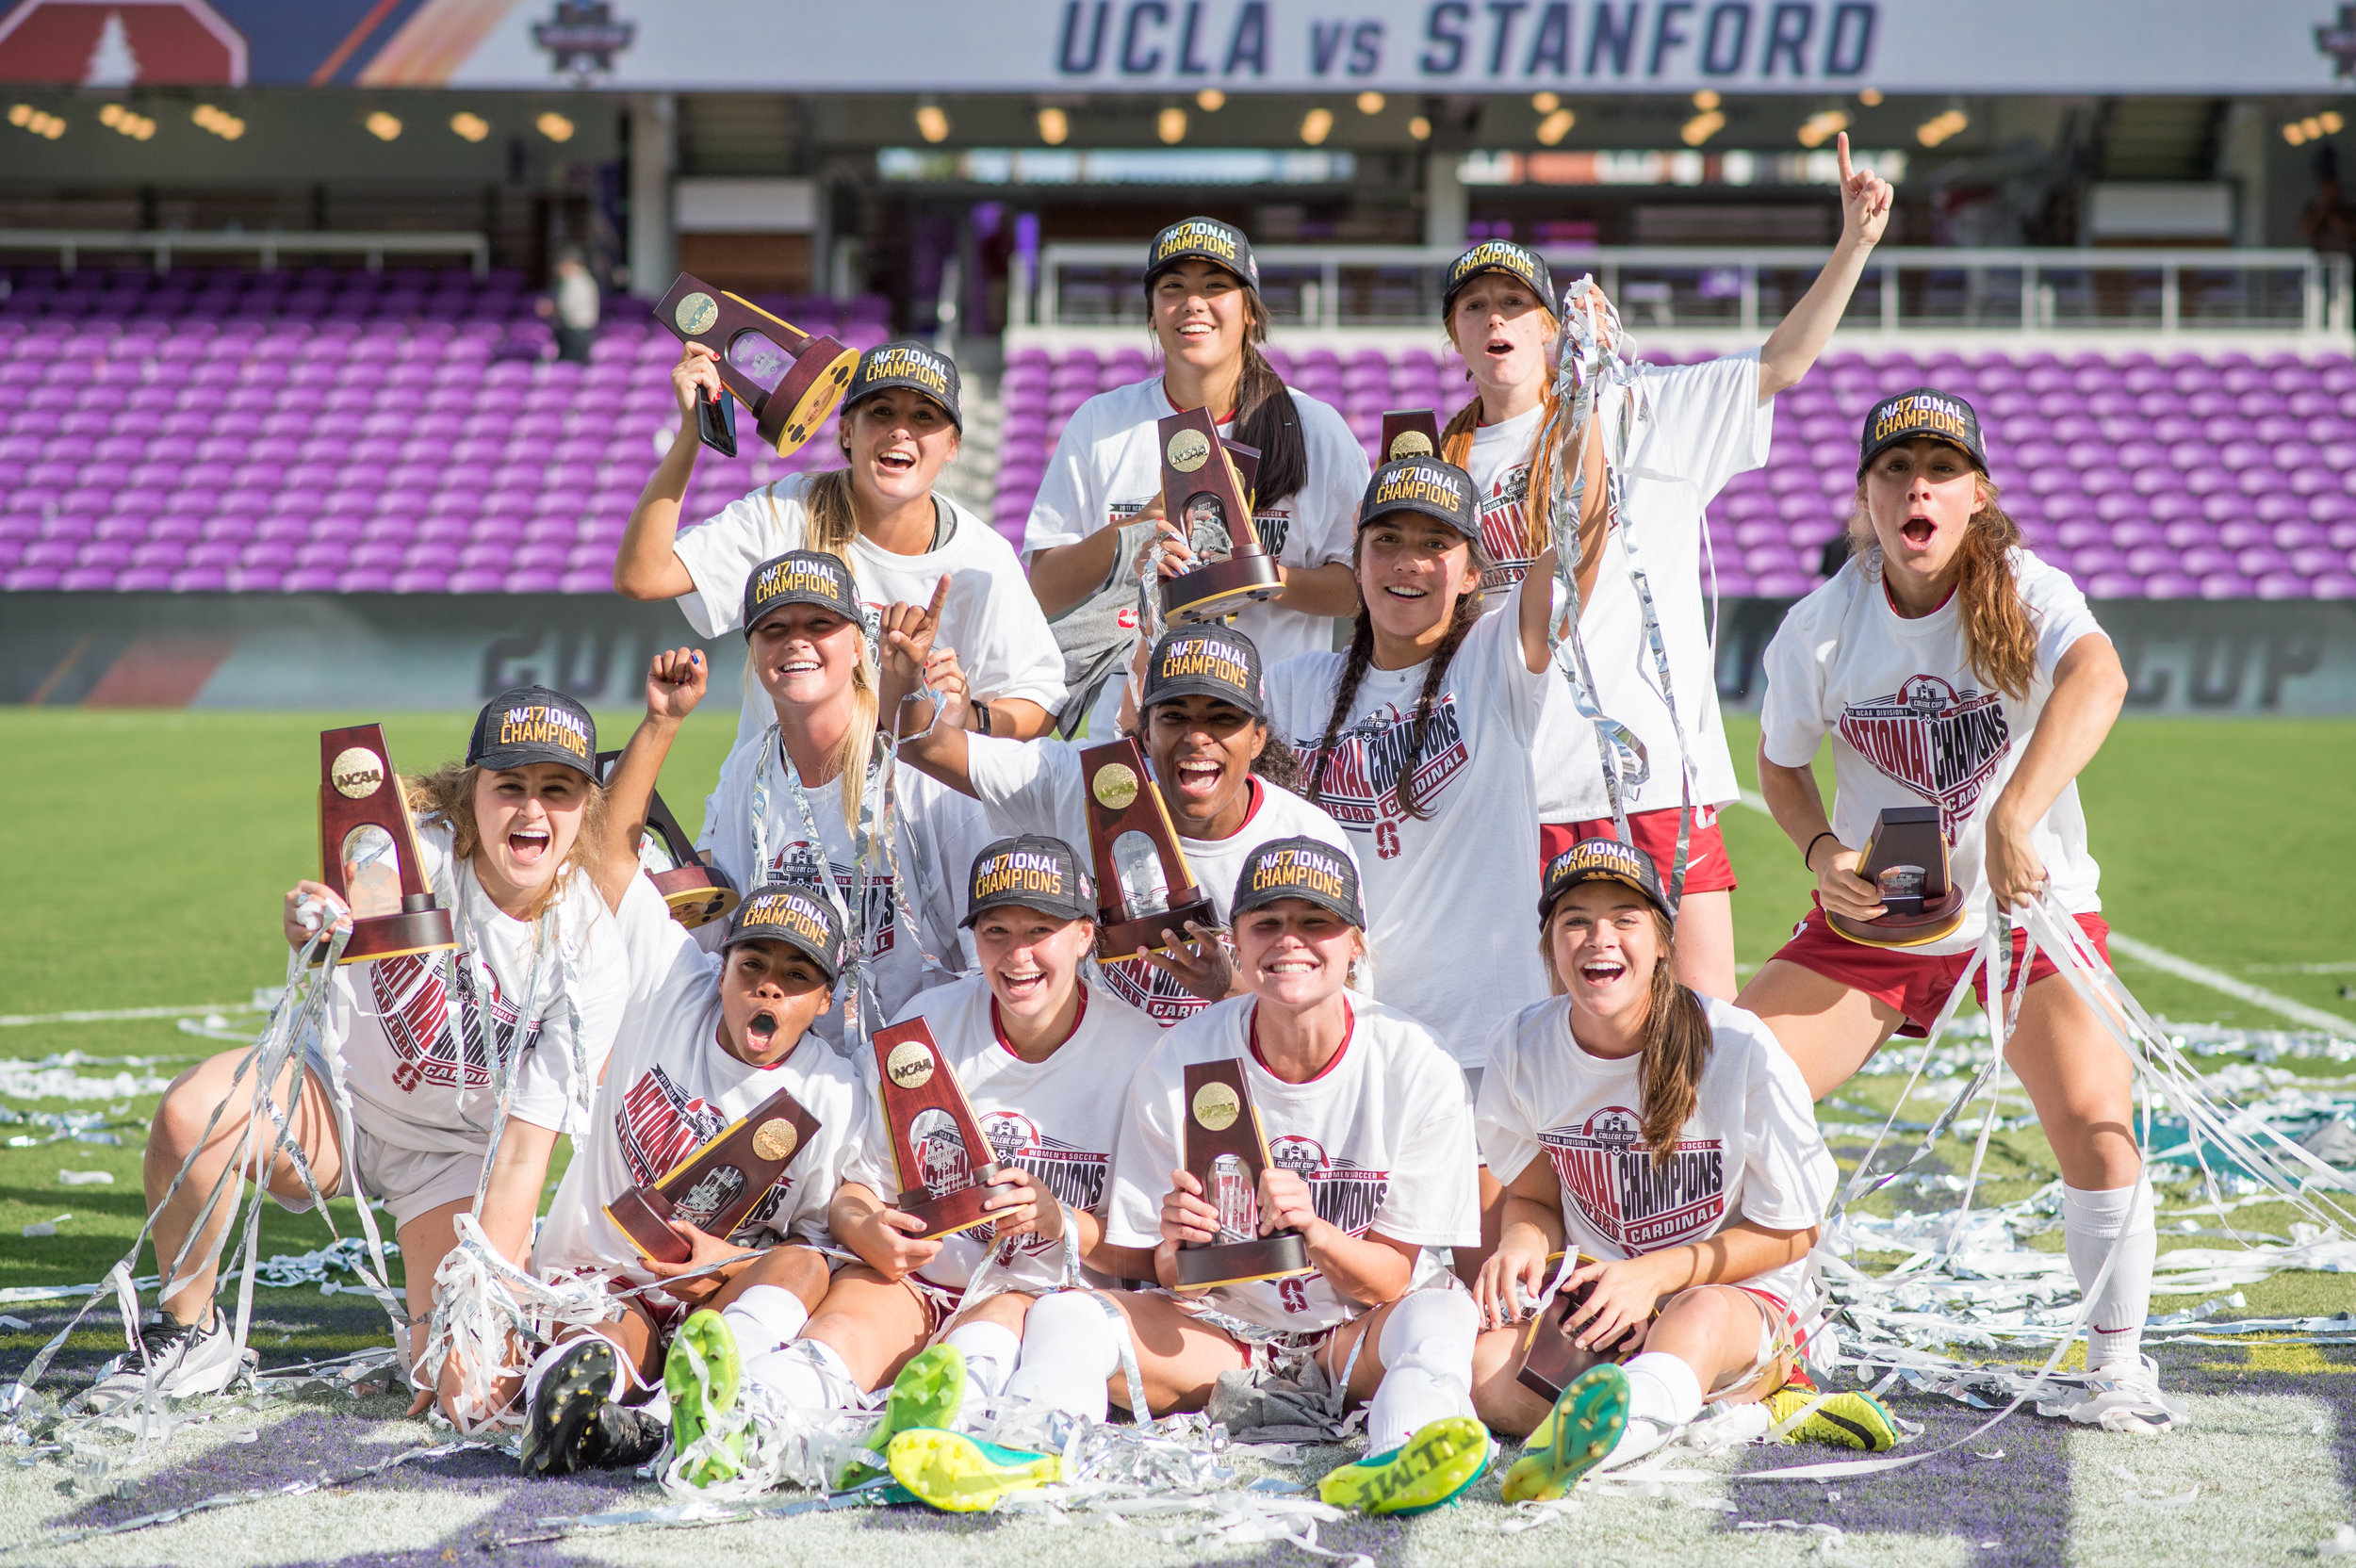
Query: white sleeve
column 1509, row 1141
column 1491, row 651
column 1435, row 1196
column 1145, row 1153
column 727, row 833
column 818, row 1174
column 1326, row 510
column 1015, row 653
column 867, row 1157
column 1029, row 786
column 1791, row 721
column 1713, row 418
column 720, row 555
column 1067, row 508
column 546, row 1081
column 658, row 949
column 2056, row 607
column 1788, row 1173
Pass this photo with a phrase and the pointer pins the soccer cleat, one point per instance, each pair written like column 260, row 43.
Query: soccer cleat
column 2127, row 1398
column 574, row 1424
column 703, row 1403
column 1437, row 1462
column 1851, row 1419
column 958, row 1473
column 186, row 1360
column 929, row 1392
column 1583, row 1427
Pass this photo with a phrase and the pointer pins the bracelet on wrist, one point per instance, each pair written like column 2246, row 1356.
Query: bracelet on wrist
column 1807, row 855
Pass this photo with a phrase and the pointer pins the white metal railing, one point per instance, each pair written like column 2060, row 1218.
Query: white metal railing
column 2018, row 290
column 160, row 244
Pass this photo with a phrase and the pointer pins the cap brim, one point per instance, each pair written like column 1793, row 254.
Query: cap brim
column 925, row 392
column 826, row 965
column 790, row 599
column 1547, row 901
column 1186, row 686
column 1899, row 440
column 1010, row 902
column 500, row 758
column 1421, row 509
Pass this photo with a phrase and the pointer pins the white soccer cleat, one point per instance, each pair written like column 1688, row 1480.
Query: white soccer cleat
column 2127, row 1398
column 186, row 1361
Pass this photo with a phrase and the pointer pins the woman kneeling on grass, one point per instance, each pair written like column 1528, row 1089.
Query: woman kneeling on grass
column 1682, row 1163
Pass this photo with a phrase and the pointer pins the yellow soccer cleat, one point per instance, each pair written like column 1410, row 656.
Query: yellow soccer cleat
column 701, row 1374
column 1583, row 1427
column 929, row 1392
column 1435, row 1465
column 958, row 1473
column 1852, row 1419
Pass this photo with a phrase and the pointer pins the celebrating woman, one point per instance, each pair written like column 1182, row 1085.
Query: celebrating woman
column 1951, row 667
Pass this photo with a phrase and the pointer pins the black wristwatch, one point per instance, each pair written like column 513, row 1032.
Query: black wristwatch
column 981, row 718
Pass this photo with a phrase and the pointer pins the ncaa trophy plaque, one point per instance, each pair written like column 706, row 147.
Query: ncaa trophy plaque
column 368, row 851
column 1221, row 1146
column 789, row 380
column 696, row 893
column 718, row 1185
column 1143, row 883
column 1549, row 1359
column 1409, row 433
column 1204, row 494
column 935, row 1138
column 1905, row 857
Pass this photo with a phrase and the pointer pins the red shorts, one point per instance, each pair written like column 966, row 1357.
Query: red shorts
column 1914, row 983
column 1707, row 868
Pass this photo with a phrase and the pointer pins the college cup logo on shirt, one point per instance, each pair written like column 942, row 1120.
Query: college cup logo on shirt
column 1076, row 1176
column 1639, row 1205
column 415, row 1014
column 1347, row 1196
column 1942, row 743
column 1362, row 771
column 1504, row 529
column 798, row 861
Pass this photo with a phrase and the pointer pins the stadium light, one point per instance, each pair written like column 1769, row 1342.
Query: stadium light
column 1705, row 100
column 36, row 121
column 1210, row 100
column 219, row 121
column 1822, row 126
column 931, row 123
column 1545, row 103
column 1871, row 97
column 1939, row 127
column 1054, row 126
column 555, row 127
column 1170, row 125
column 125, row 121
column 1420, row 128
column 1316, row 126
column 1371, row 102
column 1702, row 127
column 1555, row 126
column 381, row 125
column 469, row 126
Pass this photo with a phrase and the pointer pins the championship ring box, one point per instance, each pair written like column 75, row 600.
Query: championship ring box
column 935, row 1138
column 1143, row 884
column 1206, row 498
column 1905, row 857
column 1550, row 1359
column 789, row 380
column 1409, row 433
column 696, row 893
column 1221, row 1146
column 718, row 1185
column 368, row 851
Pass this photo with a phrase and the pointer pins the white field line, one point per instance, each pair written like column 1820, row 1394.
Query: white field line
column 11, row 1020
column 2200, row 974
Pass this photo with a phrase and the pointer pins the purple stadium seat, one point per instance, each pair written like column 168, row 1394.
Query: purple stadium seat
column 2171, row 585
column 478, row 581
column 199, row 580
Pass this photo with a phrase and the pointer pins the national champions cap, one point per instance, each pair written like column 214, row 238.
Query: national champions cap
column 1435, row 488
column 904, row 362
column 1205, row 660
column 1307, row 868
column 533, row 724
column 799, row 577
column 1032, row 871
column 798, row 914
column 1499, row 255
column 1202, row 239
column 1601, row 860
column 1921, row 411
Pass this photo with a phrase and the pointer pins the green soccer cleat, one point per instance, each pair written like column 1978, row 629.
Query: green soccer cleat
column 1583, row 1427
column 958, row 1473
column 929, row 1392
column 1435, row 1465
column 1851, row 1419
column 701, row 1374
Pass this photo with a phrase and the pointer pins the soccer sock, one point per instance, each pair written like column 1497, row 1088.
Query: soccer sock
column 808, row 1373
column 2092, row 1223
column 991, row 1351
column 1070, row 1350
column 1427, row 1351
column 764, row 1319
column 1662, row 1388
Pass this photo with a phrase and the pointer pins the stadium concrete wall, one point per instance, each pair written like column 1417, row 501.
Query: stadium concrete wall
column 389, row 651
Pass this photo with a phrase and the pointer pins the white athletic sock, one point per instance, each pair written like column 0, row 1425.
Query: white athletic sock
column 2092, row 1223
column 808, row 1373
column 1070, row 1350
column 1662, row 1388
column 990, row 1352
column 764, row 1319
column 1427, row 1351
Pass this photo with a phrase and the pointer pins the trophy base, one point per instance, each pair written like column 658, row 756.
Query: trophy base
column 1940, row 919
column 1242, row 1263
column 634, row 1215
column 1122, row 939
column 955, row 1211
column 399, row 935
column 791, row 413
column 1218, row 590
column 1550, row 1359
column 697, row 895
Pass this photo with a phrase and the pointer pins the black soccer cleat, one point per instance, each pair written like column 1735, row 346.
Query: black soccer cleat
column 574, row 1423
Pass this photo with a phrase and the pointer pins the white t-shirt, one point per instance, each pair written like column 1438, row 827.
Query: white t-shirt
column 1451, row 900
column 1056, row 1118
column 670, row 1088
column 1750, row 1151
column 1035, row 788
column 420, row 1083
column 937, row 832
column 1001, row 635
column 1912, row 725
column 1384, row 1137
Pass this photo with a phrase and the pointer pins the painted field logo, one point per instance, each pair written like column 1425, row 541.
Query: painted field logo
column 1943, row 744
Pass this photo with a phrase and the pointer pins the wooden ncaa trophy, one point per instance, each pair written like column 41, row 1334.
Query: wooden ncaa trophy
column 1223, row 1147
column 1550, row 1359
column 935, row 1138
column 1205, row 496
column 787, row 378
column 696, row 893
column 368, row 851
column 1906, row 857
column 718, row 1185
column 1409, row 433
column 1143, row 883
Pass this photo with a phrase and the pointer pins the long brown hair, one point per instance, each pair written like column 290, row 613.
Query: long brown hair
column 1266, row 418
column 832, row 523
column 448, row 792
column 1677, row 1040
column 1997, row 633
column 1456, row 439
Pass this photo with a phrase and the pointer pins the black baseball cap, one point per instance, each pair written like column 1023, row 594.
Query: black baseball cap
column 533, row 724
column 1499, row 255
column 1031, row 871
column 799, row 577
column 1205, row 660
column 1299, row 868
column 798, row 914
column 904, row 362
column 1920, row 411
column 1431, row 485
column 1601, row 860
column 1202, row 239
